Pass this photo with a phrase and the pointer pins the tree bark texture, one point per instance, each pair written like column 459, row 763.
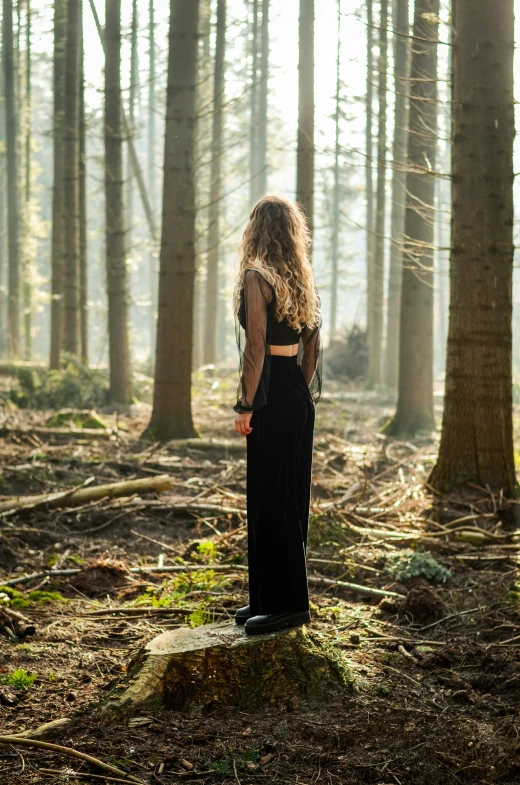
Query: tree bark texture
column 305, row 141
column 13, row 218
column 71, row 341
column 218, row 664
column 477, row 442
column 401, row 104
column 171, row 416
column 253, row 119
column 415, row 388
column 212, row 274
column 3, row 253
column 27, row 265
column 57, row 248
column 117, row 285
column 376, row 279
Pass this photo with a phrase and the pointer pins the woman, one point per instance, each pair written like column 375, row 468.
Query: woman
column 277, row 307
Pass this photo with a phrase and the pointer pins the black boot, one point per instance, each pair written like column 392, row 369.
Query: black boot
column 259, row 625
column 243, row 614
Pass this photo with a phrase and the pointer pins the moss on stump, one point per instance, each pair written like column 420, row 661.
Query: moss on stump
column 218, row 664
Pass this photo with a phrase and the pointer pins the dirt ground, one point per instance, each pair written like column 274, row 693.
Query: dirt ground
column 435, row 677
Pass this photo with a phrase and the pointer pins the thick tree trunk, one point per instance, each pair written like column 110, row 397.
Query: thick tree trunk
column 117, row 287
column 171, row 416
column 335, row 197
column 57, row 192
column 71, row 272
column 305, row 142
column 369, row 168
column 212, row 274
column 376, row 289
column 13, row 289
column 402, row 87
column 477, row 442
column 415, row 395
column 218, row 664
column 83, row 249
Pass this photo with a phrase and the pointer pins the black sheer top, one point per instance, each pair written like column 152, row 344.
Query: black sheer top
column 257, row 328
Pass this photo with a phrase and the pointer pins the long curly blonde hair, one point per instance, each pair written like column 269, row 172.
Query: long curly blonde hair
column 276, row 243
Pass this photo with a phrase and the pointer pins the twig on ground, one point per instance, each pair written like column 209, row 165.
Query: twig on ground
column 72, row 753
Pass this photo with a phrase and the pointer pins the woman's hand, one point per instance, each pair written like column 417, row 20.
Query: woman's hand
column 242, row 423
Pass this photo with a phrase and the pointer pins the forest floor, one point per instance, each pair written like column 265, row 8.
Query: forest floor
column 436, row 676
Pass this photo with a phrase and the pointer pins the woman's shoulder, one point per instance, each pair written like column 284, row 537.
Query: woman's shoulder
column 255, row 279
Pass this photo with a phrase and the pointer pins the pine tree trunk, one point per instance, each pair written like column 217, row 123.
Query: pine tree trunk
column 71, row 273
column 263, row 95
column 27, row 274
column 369, row 170
column 402, row 86
column 336, row 200
column 83, row 255
column 13, row 305
column 152, row 260
column 205, row 69
column 57, row 192
column 171, row 416
column 376, row 304
column 212, row 275
column 305, row 143
column 3, row 254
column 415, row 389
column 134, row 76
column 254, row 116
column 477, row 442
column 117, row 287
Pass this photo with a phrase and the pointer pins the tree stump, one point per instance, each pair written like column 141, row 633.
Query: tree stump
column 218, row 664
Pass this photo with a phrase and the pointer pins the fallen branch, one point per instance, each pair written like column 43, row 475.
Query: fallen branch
column 366, row 590
column 105, row 434
column 72, row 753
column 58, row 773
column 85, row 495
column 136, row 570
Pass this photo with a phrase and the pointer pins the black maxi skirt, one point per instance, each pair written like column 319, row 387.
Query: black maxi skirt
column 279, row 465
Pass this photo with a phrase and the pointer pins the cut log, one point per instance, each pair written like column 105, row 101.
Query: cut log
column 86, row 495
column 60, row 433
column 218, row 664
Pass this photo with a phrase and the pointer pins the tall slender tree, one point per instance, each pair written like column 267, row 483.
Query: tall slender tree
column 401, row 104
column 152, row 179
column 83, row 249
column 117, row 286
column 57, row 248
column 254, row 111
column 477, row 431
column 13, row 305
column 3, row 255
column 415, row 389
column 132, row 99
column 27, row 271
column 71, row 339
column 305, row 142
column 369, row 163
column 376, row 279
column 335, row 196
column 172, row 416
column 263, row 95
column 212, row 275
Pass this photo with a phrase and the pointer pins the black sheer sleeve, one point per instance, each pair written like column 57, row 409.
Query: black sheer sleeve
column 310, row 359
column 251, row 333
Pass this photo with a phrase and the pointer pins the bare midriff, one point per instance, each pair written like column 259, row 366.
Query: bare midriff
column 283, row 351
